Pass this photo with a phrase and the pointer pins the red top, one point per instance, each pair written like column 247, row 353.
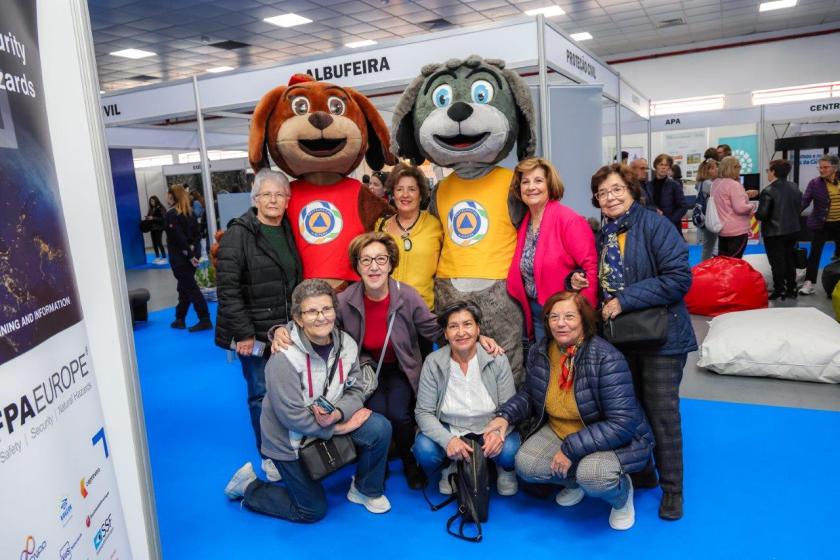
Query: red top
column 376, row 326
column 324, row 221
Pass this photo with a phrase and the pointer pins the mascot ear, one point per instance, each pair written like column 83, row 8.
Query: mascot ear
column 257, row 148
column 377, row 154
column 527, row 138
column 403, row 141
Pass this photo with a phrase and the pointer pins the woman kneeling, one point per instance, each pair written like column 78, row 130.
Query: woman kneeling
column 322, row 361
column 589, row 429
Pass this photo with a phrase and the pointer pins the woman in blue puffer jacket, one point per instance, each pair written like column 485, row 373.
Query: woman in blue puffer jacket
column 590, row 431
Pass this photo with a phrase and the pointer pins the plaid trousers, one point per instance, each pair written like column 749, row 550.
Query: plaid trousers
column 657, row 382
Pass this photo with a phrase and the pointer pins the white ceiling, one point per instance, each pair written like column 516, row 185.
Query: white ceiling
column 181, row 32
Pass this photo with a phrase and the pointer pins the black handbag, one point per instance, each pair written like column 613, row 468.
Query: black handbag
column 471, row 488
column 633, row 330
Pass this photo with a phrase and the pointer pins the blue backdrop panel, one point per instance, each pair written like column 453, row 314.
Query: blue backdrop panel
column 128, row 207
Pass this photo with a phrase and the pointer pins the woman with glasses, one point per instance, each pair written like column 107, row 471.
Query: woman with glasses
column 733, row 206
column 318, row 369
column 644, row 264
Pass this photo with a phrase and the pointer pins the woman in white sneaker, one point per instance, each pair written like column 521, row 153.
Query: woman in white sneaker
column 589, row 430
column 461, row 388
column 322, row 361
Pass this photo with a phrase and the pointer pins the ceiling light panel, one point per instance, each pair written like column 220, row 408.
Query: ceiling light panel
column 548, row 11
column 287, row 20
column 582, row 36
column 798, row 93
column 132, row 53
column 777, row 5
column 688, row 105
column 219, row 69
column 357, row 44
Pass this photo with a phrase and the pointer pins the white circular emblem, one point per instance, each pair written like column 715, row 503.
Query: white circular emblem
column 468, row 223
column 744, row 159
column 320, row 222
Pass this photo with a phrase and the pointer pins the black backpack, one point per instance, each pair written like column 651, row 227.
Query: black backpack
column 471, row 487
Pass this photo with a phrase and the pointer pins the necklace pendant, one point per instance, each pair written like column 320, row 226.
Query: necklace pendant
column 407, row 244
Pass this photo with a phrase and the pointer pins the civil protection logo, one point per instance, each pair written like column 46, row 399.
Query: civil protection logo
column 320, row 222
column 744, row 159
column 468, row 223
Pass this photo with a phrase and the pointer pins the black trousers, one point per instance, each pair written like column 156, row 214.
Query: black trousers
column 656, row 380
column 830, row 232
column 393, row 399
column 782, row 257
column 732, row 246
column 157, row 243
column 188, row 293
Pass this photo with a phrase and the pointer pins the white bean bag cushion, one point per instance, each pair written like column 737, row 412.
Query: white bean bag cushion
column 759, row 262
column 789, row 343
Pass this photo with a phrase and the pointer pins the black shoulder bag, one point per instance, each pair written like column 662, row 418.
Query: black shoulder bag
column 471, row 487
column 640, row 329
column 322, row 457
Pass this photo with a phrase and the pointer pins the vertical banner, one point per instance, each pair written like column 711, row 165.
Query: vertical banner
column 745, row 148
column 57, row 483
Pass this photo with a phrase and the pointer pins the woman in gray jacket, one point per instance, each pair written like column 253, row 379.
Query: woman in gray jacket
column 461, row 388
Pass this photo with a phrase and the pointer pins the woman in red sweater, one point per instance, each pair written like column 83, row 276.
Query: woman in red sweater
column 553, row 241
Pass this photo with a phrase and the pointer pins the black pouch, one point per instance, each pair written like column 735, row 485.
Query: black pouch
column 322, row 457
column 644, row 328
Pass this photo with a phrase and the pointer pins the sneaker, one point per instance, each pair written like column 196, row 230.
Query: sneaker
column 202, row 325
column 178, row 324
column 506, row 483
column 443, row 486
column 235, row 489
column 271, row 472
column 623, row 518
column 373, row 505
column 568, row 497
column 776, row 295
column 807, row 288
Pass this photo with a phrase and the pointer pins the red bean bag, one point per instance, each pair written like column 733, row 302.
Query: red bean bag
column 723, row 284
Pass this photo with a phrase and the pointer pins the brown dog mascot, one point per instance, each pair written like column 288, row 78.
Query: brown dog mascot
column 319, row 132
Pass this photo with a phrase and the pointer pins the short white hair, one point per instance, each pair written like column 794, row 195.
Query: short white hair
column 271, row 176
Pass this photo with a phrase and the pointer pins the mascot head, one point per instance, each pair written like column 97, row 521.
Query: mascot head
column 310, row 127
column 464, row 112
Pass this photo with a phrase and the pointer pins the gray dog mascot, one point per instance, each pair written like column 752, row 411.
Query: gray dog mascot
column 468, row 115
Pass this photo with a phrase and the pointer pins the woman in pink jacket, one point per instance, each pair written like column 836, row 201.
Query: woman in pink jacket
column 553, row 241
column 733, row 206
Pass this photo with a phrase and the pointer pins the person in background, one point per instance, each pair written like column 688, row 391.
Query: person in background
column 198, row 208
column 664, row 194
column 706, row 174
column 733, row 206
column 322, row 361
column 418, row 234
column 644, row 264
column 824, row 221
column 711, row 153
column 377, row 183
column 640, row 168
column 553, row 241
column 589, row 431
column 366, row 180
column 779, row 205
column 723, row 150
column 257, row 269
column 157, row 216
column 461, row 388
column 676, row 174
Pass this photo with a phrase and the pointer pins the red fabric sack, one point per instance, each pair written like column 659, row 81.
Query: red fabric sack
column 724, row 284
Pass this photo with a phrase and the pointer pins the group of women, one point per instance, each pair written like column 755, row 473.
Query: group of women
column 586, row 416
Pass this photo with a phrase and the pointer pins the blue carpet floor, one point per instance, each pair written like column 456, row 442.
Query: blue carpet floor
column 695, row 251
column 760, row 483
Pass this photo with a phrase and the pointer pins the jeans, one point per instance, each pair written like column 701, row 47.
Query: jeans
column 537, row 319
column 710, row 240
column 830, row 232
column 303, row 499
column 782, row 257
column 431, row 456
column 188, row 292
column 392, row 399
column 253, row 370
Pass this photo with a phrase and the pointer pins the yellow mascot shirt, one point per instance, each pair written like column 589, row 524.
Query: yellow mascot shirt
column 478, row 237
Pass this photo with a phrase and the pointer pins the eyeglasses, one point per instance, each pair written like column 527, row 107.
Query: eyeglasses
column 272, row 195
column 566, row 318
column 312, row 314
column 381, row 260
column 615, row 190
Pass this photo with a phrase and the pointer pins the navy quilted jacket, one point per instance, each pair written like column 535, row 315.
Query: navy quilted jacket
column 612, row 417
column 656, row 272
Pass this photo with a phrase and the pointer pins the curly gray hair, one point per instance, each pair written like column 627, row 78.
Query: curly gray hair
column 266, row 174
column 308, row 289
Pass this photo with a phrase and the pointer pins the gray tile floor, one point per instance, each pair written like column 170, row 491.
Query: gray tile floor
column 697, row 383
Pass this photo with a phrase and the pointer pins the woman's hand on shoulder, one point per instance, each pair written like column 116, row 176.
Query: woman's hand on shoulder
column 281, row 339
column 490, row 346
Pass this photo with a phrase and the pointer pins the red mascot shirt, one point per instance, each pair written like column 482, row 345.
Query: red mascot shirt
column 324, row 221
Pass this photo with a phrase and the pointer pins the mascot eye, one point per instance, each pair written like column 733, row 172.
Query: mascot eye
column 442, row 96
column 336, row 105
column 481, row 91
column 300, row 105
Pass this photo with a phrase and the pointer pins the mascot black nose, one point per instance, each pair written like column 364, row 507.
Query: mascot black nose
column 459, row 111
column 320, row 120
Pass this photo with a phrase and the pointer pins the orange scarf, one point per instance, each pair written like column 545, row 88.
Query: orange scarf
column 567, row 366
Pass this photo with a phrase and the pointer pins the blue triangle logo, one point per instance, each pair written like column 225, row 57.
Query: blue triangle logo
column 466, row 222
column 319, row 221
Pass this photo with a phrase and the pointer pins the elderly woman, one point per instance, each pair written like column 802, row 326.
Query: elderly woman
column 417, row 233
column 824, row 220
column 322, row 361
column 461, row 389
column 733, row 206
column 366, row 309
column 258, row 267
column 644, row 264
column 589, row 429
column 553, row 240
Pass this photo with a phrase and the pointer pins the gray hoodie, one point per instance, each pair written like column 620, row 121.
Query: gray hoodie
column 294, row 378
column 434, row 378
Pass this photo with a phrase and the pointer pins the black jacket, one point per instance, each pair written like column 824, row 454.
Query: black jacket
column 158, row 219
column 671, row 202
column 254, row 292
column 182, row 239
column 778, row 208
